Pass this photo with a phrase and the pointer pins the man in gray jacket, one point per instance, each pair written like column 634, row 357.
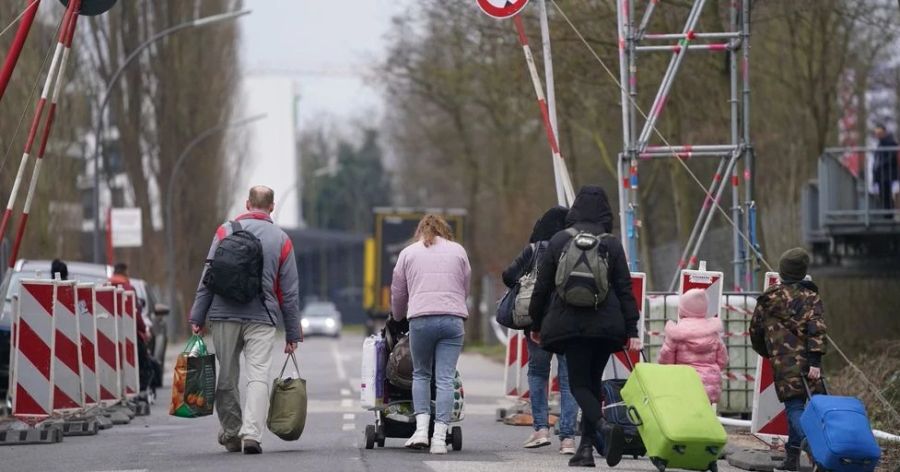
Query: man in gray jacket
column 250, row 327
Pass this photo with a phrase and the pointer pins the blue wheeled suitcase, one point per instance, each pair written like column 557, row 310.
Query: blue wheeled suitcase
column 838, row 434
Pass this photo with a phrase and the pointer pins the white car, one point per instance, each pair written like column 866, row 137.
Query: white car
column 321, row 318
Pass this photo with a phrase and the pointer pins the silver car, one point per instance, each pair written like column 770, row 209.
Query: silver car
column 321, row 318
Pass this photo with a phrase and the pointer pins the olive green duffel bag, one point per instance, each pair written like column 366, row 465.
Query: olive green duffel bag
column 287, row 408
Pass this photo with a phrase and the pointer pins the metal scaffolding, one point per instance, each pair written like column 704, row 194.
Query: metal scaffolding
column 733, row 157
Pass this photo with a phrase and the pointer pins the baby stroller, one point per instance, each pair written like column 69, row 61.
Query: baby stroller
column 394, row 413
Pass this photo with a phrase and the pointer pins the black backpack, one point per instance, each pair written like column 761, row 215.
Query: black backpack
column 235, row 271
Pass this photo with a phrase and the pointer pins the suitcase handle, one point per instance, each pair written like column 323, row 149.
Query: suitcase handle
column 634, row 416
column 809, row 393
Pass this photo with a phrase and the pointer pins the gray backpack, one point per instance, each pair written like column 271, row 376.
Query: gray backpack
column 582, row 276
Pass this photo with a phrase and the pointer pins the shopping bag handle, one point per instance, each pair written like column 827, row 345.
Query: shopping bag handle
column 296, row 367
column 197, row 340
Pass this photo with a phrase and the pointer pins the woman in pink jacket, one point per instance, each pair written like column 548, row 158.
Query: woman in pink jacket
column 429, row 287
column 697, row 341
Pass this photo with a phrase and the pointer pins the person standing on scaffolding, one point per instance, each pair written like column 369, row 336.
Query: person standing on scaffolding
column 884, row 170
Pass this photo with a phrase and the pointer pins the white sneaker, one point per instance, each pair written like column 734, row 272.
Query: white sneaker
column 419, row 439
column 539, row 438
column 439, row 439
column 567, row 447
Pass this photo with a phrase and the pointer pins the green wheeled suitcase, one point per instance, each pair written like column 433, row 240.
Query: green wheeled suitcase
column 672, row 412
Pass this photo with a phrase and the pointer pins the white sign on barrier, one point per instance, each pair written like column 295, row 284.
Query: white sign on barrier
column 618, row 365
column 709, row 281
column 86, row 321
column 769, row 419
column 32, row 368
column 105, row 315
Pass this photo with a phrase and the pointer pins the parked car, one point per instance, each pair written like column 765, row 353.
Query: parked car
column 322, row 318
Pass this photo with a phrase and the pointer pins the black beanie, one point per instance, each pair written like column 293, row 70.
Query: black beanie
column 794, row 264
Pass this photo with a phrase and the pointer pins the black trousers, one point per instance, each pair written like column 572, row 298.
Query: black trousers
column 586, row 359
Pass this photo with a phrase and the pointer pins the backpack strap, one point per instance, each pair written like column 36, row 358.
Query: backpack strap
column 236, row 226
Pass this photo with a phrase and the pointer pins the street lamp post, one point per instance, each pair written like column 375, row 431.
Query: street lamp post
column 170, row 194
column 106, row 96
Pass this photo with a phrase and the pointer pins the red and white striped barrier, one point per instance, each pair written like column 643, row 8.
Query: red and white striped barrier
column 32, row 360
column 86, row 321
column 515, row 374
column 68, row 392
column 128, row 344
column 106, row 311
column 769, row 419
column 618, row 366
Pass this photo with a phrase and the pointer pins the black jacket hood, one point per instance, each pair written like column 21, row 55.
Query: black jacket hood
column 550, row 223
column 591, row 206
column 887, row 140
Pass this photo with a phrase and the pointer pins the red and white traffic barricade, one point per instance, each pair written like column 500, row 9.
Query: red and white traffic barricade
column 68, row 393
column 515, row 374
column 106, row 309
column 86, row 322
column 618, row 366
column 32, row 360
column 128, row 344
column 769, row 419
column 709, row 281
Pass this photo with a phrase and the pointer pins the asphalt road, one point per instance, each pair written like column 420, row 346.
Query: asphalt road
column 333, row 439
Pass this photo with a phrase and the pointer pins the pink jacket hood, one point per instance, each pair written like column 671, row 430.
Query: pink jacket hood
column 694, row 329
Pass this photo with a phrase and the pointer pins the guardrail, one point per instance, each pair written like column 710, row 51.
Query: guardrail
column 846, row 202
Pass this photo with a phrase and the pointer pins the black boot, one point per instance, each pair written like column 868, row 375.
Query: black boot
column 791, row 460
column 615, row 445
column 584, row 456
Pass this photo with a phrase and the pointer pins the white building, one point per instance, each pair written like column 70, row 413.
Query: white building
column 270, row 150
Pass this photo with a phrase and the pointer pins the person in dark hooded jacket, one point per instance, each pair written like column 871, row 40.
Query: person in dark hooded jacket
column 550, row 223
column 587, row 336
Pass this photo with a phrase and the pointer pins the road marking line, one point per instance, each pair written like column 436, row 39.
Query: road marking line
column 349, row 417
column 346, row 403
column 349, row 427
column 342, row 374
column 345, row 392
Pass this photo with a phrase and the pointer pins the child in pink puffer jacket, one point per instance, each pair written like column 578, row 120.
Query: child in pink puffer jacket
column 697, row 341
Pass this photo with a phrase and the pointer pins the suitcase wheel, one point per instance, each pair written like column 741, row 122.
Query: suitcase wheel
column 660, row 464
column 456, row 438
column 370, row 436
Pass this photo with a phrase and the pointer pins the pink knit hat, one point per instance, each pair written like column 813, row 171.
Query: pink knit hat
column 693, row 304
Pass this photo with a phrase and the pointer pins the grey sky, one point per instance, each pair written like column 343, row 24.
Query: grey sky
column 324, row 45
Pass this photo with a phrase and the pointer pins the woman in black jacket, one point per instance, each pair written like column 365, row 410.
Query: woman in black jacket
column 550, row 223
column 587, row 336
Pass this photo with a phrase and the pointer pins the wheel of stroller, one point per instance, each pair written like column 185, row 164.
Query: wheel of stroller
column 379, row 436
column 370, row 436
column 456, row 438
column 660, row 464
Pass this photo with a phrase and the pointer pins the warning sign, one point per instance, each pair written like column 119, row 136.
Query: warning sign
column 501, row 9
column 711, row 282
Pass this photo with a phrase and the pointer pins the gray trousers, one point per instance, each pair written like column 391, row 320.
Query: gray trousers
column 255, row 340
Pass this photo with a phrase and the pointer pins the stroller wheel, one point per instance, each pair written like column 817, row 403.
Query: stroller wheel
column 379, row 436
column 370, row 436
column 456, row 437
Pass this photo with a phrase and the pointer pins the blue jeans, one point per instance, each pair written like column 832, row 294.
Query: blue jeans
column 794, row 408
column 435, row 341
column 538, row 383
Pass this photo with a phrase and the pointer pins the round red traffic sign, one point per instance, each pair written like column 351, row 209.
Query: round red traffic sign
column 501, row 9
